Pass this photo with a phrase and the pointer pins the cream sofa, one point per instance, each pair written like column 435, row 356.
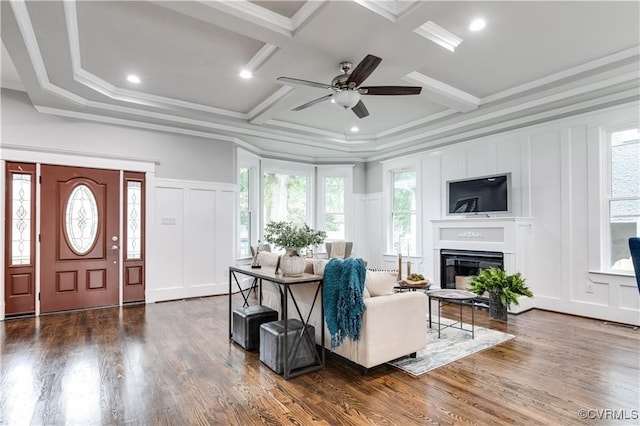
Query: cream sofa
column 394, row 324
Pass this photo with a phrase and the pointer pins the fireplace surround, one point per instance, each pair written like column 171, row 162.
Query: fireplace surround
column 472, row 243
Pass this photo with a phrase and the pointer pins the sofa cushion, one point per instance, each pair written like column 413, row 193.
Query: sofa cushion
column 380, row 283
column 267, row 258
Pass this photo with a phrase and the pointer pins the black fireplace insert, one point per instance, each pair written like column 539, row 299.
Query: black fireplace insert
column 458, row 266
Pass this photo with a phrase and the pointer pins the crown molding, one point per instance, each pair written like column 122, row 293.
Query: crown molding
column 255, row 14
column 386, row 9
column 262, row 56
column 260, row 114
column 444, row 94
column 626, row 96
column 101, row 86
column 570, row 72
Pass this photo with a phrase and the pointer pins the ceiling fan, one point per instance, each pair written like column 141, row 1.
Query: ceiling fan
column 347, row 87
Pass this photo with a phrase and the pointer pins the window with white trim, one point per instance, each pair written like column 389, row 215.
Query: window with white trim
column 248, row 200
column 334, row 214
column 623, row 198
column 245, row 213
column 404, row 233
column 286, row 197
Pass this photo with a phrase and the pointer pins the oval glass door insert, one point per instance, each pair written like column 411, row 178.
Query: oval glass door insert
column 81, row 219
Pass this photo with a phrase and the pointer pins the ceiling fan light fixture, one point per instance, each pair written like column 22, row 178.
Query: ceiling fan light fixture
column 347, row 98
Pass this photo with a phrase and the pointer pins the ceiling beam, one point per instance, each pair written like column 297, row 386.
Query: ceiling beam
column 439, row 92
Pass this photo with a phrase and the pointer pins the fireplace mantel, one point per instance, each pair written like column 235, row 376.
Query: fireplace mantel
column 509, row 235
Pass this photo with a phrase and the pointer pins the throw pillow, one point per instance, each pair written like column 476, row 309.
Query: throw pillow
column 380, row 283
column 267, row 258
column 318, row 267
column 365, row 292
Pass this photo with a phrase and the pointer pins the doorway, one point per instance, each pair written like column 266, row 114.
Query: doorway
column 82, row 212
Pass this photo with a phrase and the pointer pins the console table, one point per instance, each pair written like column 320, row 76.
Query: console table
column 284, row 284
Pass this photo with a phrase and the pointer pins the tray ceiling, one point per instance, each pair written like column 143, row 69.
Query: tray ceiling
column 532, row 62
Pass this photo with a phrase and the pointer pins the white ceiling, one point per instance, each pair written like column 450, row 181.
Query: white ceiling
column 533, row 61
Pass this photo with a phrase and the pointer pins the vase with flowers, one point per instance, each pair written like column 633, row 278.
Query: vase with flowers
column 292, row 238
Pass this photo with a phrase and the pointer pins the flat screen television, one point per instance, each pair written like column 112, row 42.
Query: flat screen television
column 480, row 195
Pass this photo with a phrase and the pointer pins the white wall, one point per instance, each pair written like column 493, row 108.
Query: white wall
column 555, row 177
column 193, row 239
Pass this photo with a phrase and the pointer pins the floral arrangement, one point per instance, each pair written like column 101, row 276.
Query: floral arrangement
column 286, row 234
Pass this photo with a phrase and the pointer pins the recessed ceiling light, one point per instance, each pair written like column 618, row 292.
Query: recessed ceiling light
column 132, row 78
column 477, row 24
column 333, row 101
column 354, row 129
column 246, row 74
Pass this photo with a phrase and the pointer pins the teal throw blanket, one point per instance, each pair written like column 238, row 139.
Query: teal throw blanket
column 342, row 289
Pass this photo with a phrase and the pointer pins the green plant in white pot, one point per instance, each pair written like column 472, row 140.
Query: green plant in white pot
column 503, row 289
column 292, row 238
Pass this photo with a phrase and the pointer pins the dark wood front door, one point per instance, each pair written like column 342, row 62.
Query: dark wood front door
column 80, row 241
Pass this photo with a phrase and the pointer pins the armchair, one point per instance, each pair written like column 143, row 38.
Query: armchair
column 634, row 248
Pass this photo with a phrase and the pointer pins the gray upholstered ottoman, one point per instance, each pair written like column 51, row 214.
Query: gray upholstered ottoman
column 272, row 345
column 246, row 324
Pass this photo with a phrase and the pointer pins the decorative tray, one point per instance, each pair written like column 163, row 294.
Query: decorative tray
column 420, row 283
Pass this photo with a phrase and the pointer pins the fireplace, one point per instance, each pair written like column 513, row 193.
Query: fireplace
column 458, row 266
column 462, row 246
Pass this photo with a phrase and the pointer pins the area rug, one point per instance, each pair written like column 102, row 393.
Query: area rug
column 453, row 345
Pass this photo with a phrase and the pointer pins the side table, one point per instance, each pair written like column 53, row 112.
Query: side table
column 455, row 297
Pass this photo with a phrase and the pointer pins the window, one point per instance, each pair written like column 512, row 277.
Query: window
column 134, row 219
column 334, row 211
column 21, row 207
column 244, row 228
column 403, row 212
column 286, row 197
column 624, row 196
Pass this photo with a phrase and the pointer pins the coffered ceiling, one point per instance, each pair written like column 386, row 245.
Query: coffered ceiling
column 533, row 61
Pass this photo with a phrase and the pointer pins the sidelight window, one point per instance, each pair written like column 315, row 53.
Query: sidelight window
column 134, row 219
column 21, row 219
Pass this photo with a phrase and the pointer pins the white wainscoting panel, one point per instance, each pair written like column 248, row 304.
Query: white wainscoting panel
column 193, row 228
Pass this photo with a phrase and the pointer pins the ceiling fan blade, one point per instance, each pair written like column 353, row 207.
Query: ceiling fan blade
column 364, row 69
column 391, row 90
column 313, row 102
column 360, row 110
column 304, row 82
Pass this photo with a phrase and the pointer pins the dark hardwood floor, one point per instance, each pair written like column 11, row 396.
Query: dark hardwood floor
column 173, row 364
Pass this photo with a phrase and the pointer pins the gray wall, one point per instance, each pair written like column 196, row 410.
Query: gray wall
column 181, row 156
column 373, row 177
column 359, row 178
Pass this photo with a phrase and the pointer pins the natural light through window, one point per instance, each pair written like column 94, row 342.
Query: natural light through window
column 285, row 197
column 244, row 229
column 334, row 212
column 624, row 196
column 404, row 235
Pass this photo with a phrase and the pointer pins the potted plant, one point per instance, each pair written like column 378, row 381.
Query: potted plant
column 503, row 290
column 292, row 238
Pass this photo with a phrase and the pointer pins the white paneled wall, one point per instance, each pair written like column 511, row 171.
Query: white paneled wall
column 193, row 245
column 556, row 171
